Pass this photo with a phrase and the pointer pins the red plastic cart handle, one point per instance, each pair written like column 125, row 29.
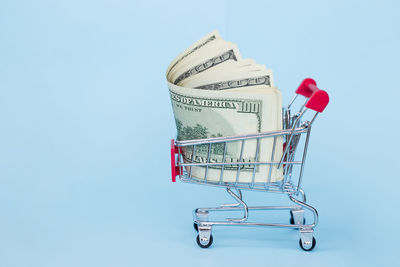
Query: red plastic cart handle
column 318, row 99
column 175, row 170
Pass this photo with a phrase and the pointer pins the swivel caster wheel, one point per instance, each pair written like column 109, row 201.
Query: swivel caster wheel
column 306, row 245
column 205, row 243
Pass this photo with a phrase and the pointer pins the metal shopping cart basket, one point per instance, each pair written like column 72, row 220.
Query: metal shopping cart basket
column 296, row 135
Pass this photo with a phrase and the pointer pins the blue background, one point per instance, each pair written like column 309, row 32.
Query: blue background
column 85, row 124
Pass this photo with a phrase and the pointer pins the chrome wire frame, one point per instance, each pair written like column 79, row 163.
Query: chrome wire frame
column 293, row 130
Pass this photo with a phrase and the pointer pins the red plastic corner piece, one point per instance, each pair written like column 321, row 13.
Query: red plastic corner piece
column 318, row 101
column 175, row 170
column 307, row 87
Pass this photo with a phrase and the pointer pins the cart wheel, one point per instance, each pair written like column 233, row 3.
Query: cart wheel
column 206, row 245
column 292, row 219
column 314, row 242
column 196, row 227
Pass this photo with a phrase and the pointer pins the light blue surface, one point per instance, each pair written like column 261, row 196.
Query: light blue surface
column 85, row 123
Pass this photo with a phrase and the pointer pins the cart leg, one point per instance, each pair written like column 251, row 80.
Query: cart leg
column 238, row 198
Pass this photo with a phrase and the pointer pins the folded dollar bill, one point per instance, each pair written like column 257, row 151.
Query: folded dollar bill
column 216, row 93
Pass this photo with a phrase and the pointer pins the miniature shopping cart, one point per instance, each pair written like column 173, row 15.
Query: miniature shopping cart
column 295, row 134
